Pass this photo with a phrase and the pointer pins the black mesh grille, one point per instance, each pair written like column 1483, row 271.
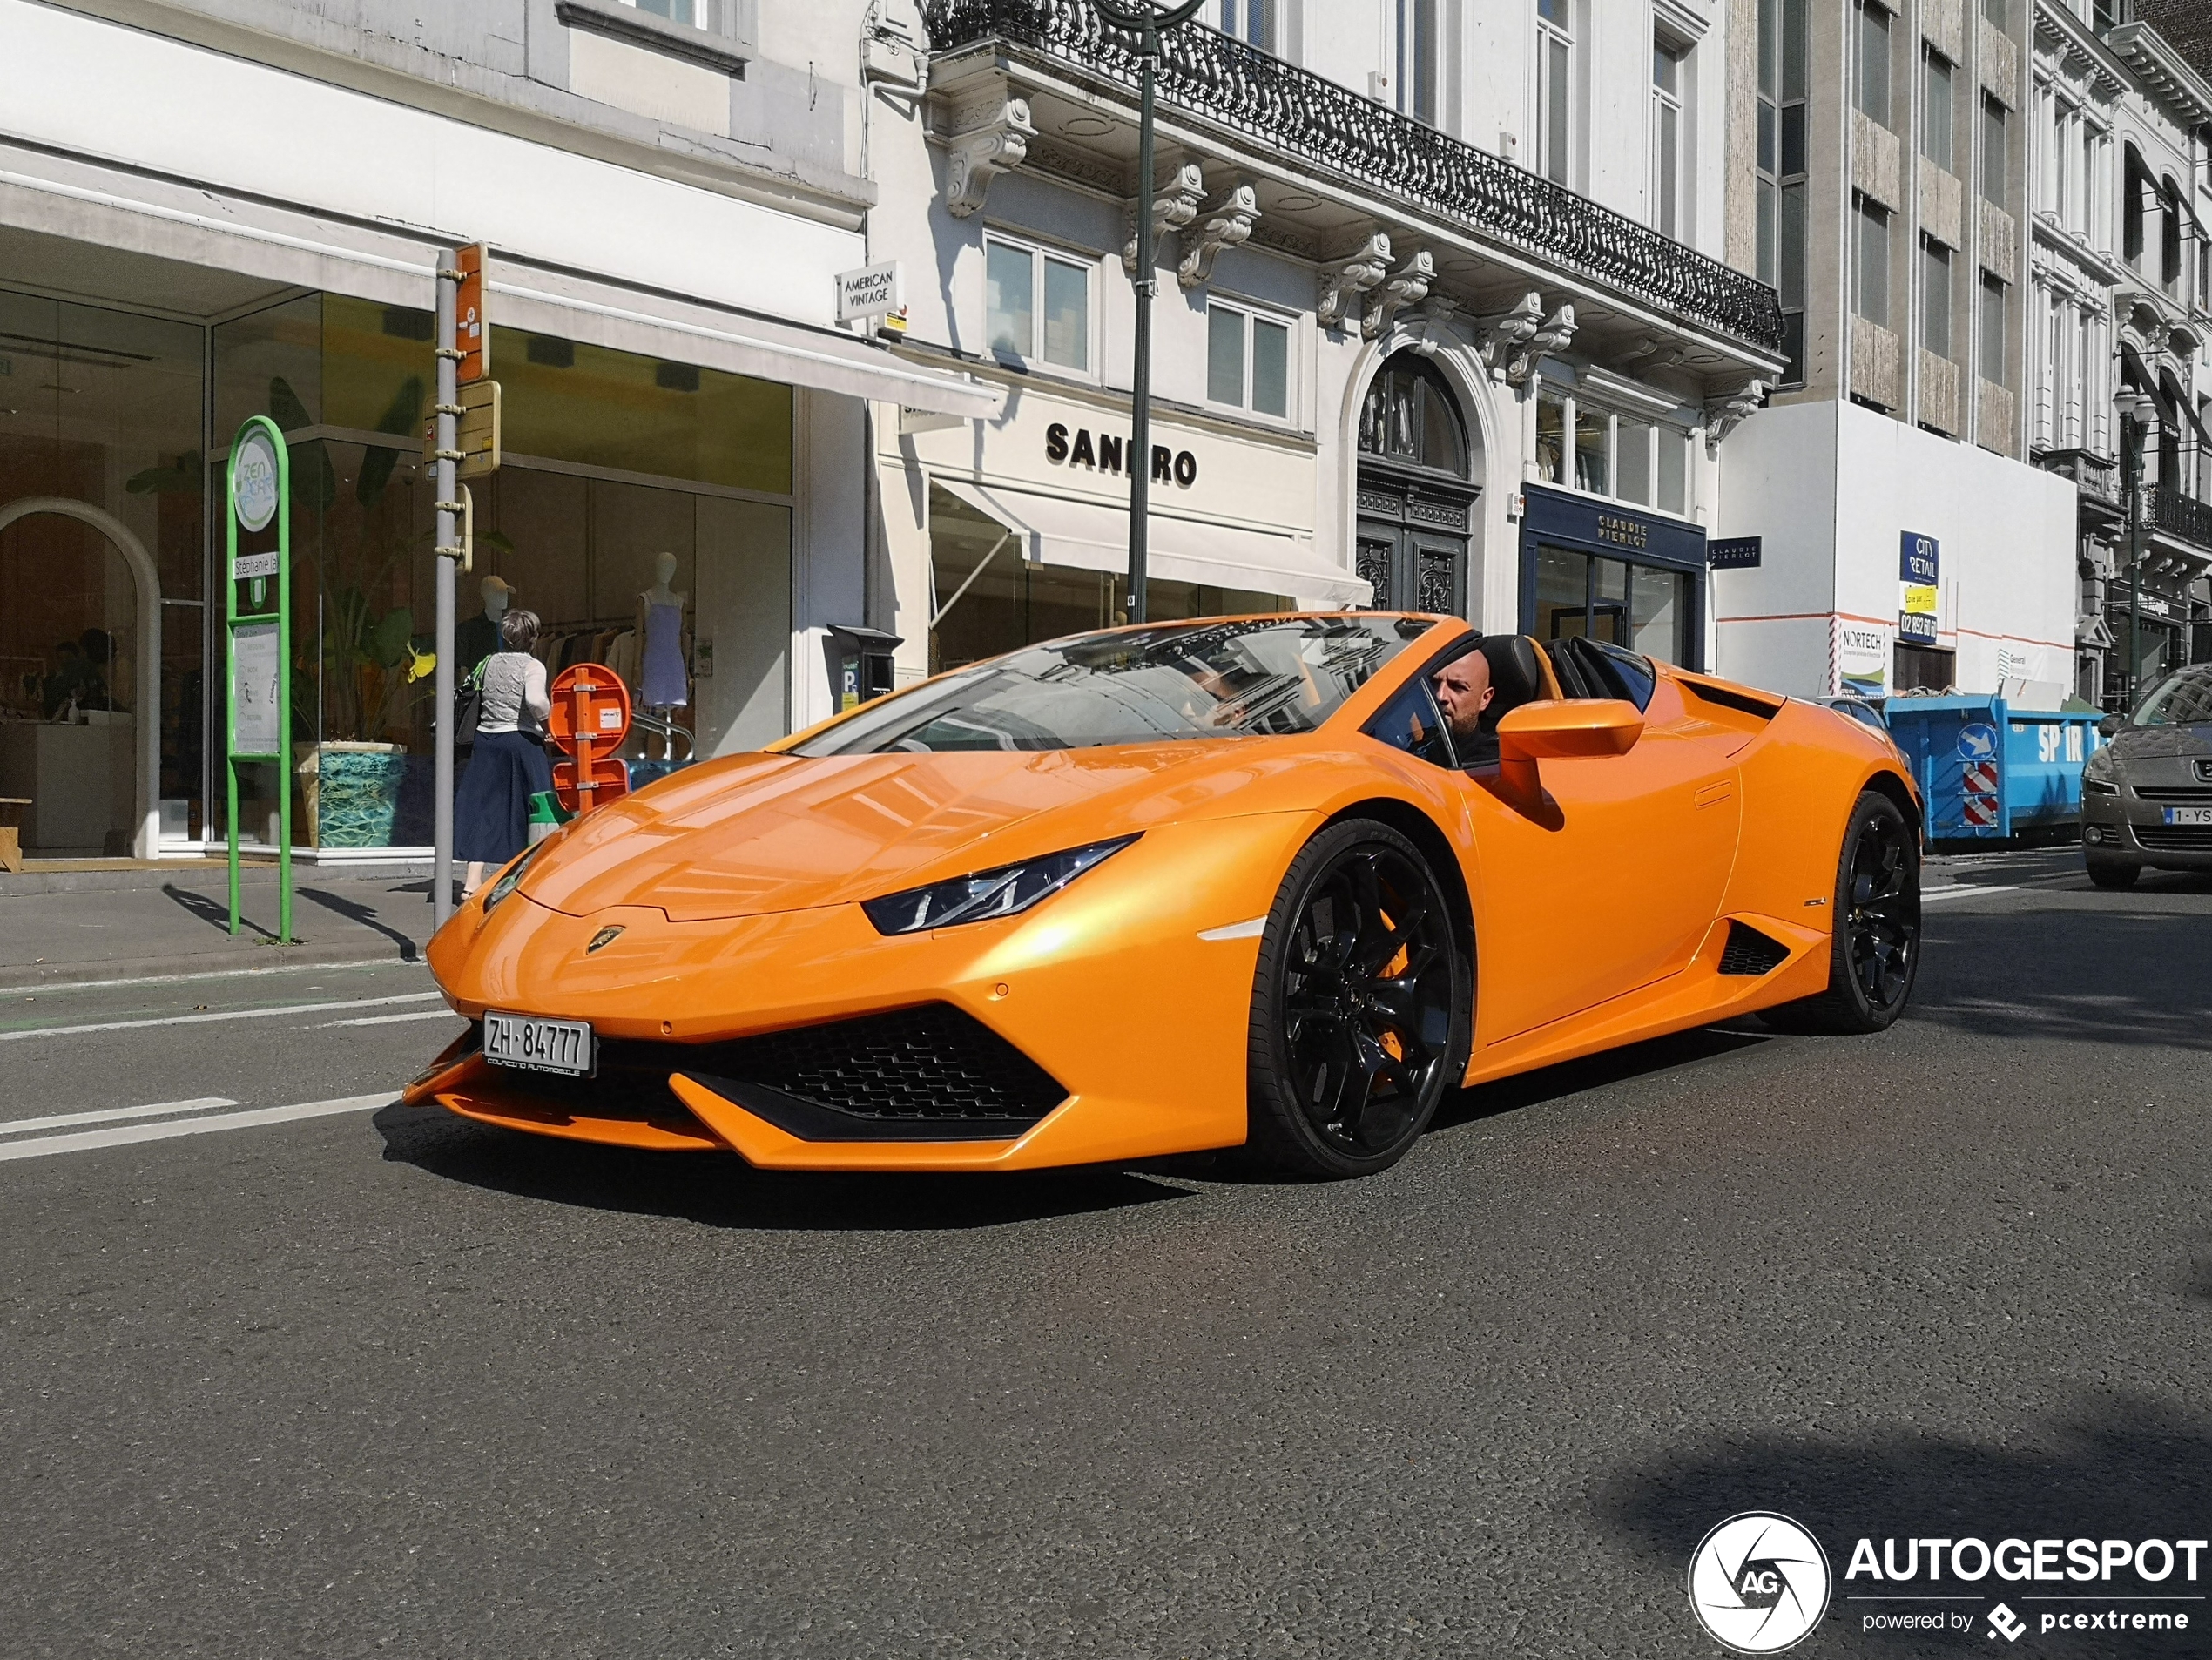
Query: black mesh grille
column 2176, row 838
column 1749, row 952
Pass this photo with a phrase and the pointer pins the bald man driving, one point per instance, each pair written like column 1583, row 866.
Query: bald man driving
column 1463, row 692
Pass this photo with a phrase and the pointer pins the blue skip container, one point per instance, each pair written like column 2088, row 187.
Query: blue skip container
column 1988, row 770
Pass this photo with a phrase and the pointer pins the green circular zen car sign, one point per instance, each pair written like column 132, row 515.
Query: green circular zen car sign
column 253, row 481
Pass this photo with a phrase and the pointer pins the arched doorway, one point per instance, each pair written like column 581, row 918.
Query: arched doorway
column 1416, row 490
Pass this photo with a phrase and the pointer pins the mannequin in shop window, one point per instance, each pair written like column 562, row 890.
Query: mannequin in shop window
column 662, row 682
column 478, row 638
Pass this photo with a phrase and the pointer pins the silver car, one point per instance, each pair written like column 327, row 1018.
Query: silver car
column 2147, row 795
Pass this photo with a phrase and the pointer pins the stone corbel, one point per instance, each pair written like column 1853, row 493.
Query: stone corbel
column 1725, row 411
column 1437, row 313
column 1550, row 338
column 1174, row 205
column 1407, row 285
column 1226, row 226
column 1342, row 283
column 989, row 137
column 1504, row 336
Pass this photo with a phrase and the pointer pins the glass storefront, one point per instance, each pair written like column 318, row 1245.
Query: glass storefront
column 611, row 461
column 1594, row 569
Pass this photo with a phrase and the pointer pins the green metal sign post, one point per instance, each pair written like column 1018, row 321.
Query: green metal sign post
column 258, row 641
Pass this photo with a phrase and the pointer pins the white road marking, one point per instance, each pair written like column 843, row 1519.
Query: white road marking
column 1250, row 930
column 109, row 1115
column 228, row 1013
column 122, row 1135
column 1969, row 892
column 387, row 1020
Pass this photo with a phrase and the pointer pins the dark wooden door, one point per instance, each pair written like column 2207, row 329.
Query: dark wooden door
column 1413, row 541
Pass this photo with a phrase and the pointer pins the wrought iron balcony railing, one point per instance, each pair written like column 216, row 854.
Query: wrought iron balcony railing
column 1210, row 77
column 2182, row 516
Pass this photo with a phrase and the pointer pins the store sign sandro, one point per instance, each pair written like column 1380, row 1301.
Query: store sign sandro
column 1107, row 452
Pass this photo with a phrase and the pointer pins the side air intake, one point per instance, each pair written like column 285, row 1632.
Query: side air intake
column 1749, row 952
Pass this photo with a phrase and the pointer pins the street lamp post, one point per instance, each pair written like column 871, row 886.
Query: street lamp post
column 1145, row 21
column 2141, row 409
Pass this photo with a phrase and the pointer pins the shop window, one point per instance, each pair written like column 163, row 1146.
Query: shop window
column 1935, row 297
column 1248, row 360
column 1641, row 607
column 1555, row 88
column 1249, row 20
column 1935, row 107
column 1593, row 451
column 1871, row 269
column 1871, row 62
column 1632, row 458
column 1674, row 471
column 1551, row 435
column 1029, row 292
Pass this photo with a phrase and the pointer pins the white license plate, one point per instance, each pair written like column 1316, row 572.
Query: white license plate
column 539, row 1045
column 2188, row 815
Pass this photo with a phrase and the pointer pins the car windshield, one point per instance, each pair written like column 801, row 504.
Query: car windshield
column 2184, row 700
column 1273, row 676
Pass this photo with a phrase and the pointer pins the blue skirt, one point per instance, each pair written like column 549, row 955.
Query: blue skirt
column 491, row 806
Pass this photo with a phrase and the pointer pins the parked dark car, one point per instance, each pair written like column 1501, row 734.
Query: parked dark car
column 1861, row 710
column 2147, row 795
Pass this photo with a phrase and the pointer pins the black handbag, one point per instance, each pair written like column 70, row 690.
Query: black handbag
column 467, row 710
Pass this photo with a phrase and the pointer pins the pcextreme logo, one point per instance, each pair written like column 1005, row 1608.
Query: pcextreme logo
column 1758, row 1582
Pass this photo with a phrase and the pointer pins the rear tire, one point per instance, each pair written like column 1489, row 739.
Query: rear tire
column 1875, row 953
column 1362, row 1007
column 2113, row 873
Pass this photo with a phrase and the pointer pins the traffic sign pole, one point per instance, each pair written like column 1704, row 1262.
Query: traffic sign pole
column 257, row 643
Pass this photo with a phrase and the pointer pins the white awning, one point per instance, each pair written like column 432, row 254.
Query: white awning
column 393, row 265
column 1088, row 536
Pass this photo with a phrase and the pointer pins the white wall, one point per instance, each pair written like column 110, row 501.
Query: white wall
column 1831, row 489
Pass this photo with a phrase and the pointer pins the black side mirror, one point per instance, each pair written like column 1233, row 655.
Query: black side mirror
column 2108, row 726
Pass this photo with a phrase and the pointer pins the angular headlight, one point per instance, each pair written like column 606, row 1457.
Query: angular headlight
column 1002, row 891
column 511, row 878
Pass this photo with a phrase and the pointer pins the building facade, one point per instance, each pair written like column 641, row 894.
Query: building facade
column 2121, row 299
column 211, row 209
column 1892, row 535
column 1441, row 320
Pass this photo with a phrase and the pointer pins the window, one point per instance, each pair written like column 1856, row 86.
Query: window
column 1783, row 43
column 2170, row 218
column 1411, row 415
column 1994, row 10
column 699, row 14
column 1993, row 167
column 1632, row 460
column 1935, row 108
column 1871, row 62
column 1417, row 59
column 1991, row 348
column 1667, row 170
column 1249, row 20
column 2135, row 198
column 1554, row 83
column 1024, row 285
column 1551, row 435
column 1871, row 270
column 1593, row 451
column 1674, row 471
column 1935, row 296
column 1248, row 360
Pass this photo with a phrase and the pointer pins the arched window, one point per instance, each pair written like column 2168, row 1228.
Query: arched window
column 1411, row 416
column 2170, row 218
column 2135, row 201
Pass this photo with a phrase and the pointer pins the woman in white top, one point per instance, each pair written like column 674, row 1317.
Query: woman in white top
column 491, row 808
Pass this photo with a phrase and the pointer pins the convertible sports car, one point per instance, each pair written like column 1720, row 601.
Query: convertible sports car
column 1228, row 883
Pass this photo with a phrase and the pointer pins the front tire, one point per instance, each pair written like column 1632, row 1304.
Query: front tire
column 1875, row 954
column 2113, row 873
column 1362, row 1007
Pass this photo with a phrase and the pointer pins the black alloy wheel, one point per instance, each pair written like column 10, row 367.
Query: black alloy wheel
column 1875, row 953
column 1361, row 1009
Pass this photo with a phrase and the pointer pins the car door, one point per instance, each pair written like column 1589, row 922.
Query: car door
column 1613, row 886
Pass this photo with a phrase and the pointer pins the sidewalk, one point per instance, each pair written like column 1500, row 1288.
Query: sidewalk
column 177, row 923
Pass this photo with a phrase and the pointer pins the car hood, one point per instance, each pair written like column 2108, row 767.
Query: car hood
column 2159, row 743
column 756, row 833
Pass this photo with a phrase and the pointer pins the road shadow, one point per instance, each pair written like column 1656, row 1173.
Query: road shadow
column 2110, row 976
column 723, row 1192
column 215, row 912
column 366, row 916
column 1596, row 1072
column 2130, row 1469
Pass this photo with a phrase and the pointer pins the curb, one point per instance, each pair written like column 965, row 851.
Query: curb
column 246, row 957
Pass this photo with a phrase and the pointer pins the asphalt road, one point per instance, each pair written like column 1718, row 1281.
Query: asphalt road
column 376, row 1380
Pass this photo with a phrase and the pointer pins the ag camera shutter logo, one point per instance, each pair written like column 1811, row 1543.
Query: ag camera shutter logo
column 1758, row 1582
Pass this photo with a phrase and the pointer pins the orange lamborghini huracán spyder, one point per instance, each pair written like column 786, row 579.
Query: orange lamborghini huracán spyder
column 1198, row 885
